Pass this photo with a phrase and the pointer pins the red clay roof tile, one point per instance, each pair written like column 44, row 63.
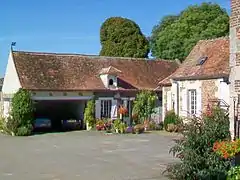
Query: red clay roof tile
column 51, row 71
column 215, row 66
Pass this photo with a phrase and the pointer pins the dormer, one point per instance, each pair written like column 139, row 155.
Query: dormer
column 109, row 77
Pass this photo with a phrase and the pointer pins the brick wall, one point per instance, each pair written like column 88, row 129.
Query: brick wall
column 235, row 6
column 209, row 90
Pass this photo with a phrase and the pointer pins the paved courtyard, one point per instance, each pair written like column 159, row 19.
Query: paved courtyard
column 85, row 156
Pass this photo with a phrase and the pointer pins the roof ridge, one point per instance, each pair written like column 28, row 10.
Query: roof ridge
column 90, row 56
column 215, row 39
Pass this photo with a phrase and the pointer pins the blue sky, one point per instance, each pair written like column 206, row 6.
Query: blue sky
column 73, row 25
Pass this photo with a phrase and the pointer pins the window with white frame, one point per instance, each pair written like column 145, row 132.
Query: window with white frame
column 106, row 106
column 192, row 101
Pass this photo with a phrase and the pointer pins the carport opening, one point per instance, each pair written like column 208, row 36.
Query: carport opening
column 59, row 111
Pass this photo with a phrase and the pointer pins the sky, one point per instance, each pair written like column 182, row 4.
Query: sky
column 72, row 26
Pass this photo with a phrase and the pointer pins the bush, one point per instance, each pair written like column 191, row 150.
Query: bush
column 22, row 113
column 197, row 158
column 144, row 105
column 234, row 173
column 170, row 118
column 24, row 131
column 89, row 116
column 122, row 127
column 116, row 124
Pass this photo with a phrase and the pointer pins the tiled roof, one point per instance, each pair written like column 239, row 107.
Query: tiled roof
column 215, row 66
column 110, row 70
column 51, row 71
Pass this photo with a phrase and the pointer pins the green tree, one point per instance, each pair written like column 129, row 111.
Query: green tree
column 121, row 37
column 144, row 104
column 175, row 36
column 22, row 113
column 89, row 117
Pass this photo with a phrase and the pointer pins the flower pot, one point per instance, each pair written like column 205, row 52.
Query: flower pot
column 88, row 127
column 117, row 130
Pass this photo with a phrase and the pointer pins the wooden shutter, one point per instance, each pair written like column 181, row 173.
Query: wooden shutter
column 114, row 109
column 184, row 109
column 169, row 100
column 199, row 101
column 98, row 109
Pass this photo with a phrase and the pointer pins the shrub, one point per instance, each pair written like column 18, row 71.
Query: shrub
column 170, row 118
column 144, row 105
column 24, row 131
column 22, row 113
column 89, row 116
column 116, row 124
column 197, row 158
column 122, row 127
column 234, row 173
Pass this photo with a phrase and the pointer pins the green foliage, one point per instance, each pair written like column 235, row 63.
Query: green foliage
column 22, row 113
column 144, row 104
column 170, row 118
column 122, row 127
column 121, row 37
column 89, row 116
column 24, row 130
column 175, row 36
column 197, row 159
column 234, row 173
column 116, row 124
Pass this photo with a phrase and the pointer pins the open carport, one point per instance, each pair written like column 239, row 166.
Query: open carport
column 58, row 110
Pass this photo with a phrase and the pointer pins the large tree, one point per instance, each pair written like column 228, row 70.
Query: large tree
column 121, row 37
column 175, row 36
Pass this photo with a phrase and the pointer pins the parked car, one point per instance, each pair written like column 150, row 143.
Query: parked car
column 42, row 123
column 71, row 124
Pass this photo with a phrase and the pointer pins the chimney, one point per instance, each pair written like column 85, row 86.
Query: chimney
column 235, row 33
column 234, row 62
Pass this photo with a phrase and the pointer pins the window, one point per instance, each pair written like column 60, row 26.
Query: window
column 106, row 108
column 192, row 104
column 110, row 83
column 202, row 60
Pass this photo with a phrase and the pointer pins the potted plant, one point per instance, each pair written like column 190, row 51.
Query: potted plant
column 122, row 127
column 122, row 111
column 116, row 125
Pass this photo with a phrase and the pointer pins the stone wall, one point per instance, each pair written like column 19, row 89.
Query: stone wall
column 234, row 61
column 209, row 91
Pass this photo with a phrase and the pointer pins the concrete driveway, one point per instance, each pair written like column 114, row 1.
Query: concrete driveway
column 85, row 156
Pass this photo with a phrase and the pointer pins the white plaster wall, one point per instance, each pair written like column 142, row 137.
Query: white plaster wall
column 223, row 91
column 11, row 83
column 187, row 85
column 105, row 79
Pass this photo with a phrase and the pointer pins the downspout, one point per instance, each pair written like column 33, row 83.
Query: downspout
column 176, row 103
